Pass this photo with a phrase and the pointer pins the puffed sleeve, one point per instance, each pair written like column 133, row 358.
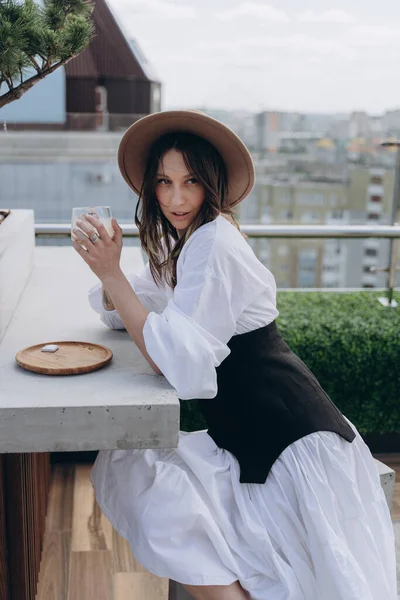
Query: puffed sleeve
column 188, row 340
column 153, row 297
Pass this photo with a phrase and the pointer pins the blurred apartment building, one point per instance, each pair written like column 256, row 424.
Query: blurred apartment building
column 263, row 132
column 322, row 169
column 271, row 126
column 342, row 195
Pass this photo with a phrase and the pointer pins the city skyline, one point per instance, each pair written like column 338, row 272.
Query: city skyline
column 252, row 55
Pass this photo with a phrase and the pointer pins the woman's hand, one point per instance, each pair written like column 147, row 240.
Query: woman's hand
column 103, row 256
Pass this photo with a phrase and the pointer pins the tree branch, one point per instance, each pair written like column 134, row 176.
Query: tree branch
column 34, row 62
column 9, row 83
column 18, row 92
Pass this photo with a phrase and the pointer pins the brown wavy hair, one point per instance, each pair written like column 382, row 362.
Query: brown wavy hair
column 159, row 239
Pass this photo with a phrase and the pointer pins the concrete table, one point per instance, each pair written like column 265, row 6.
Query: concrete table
column 124, row 405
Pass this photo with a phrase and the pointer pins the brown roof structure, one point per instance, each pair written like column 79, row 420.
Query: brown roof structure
column 115, row 63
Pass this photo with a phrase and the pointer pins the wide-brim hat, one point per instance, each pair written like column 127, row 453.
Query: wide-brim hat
column 137, row 140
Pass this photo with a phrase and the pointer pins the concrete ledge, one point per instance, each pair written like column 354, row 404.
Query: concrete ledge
column 17, row 245
column 388, row 477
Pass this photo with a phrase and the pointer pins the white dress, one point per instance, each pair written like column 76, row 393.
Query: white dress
column 318, row 529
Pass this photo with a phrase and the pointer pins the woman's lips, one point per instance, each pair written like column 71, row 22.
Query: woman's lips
column 180, row 216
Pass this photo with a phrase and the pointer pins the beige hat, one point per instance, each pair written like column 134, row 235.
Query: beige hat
column 137, row 140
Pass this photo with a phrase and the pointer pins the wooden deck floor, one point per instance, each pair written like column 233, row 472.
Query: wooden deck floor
column 84, row 558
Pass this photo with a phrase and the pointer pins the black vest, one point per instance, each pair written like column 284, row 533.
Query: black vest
column 267, row 399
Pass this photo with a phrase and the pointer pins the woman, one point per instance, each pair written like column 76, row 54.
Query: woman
column 280, row 499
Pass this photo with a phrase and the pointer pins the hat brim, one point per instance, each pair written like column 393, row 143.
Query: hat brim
column 136, row 142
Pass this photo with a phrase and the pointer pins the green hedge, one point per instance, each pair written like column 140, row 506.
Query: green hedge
column 352, row 344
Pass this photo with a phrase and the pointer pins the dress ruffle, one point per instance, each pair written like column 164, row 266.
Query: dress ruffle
column 318, row 529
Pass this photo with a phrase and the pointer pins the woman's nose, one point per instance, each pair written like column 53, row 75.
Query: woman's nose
column 177, row 198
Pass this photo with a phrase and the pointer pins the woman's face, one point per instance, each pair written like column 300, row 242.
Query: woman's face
column 179, row 194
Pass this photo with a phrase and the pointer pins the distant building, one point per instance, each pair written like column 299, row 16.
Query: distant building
column 391, row 123
column 340, row 127
column 359, row 126
column 272, row 126
column 376, row 126
column 371, row 190
column 355, row 195
column 269, row 124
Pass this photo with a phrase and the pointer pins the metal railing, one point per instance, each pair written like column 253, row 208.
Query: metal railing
column 256, row 231
column 391, row 232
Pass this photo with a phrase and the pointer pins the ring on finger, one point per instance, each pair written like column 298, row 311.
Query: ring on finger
column 94, row 237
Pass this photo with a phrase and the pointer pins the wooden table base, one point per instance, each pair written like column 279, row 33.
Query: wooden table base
column 24, row 490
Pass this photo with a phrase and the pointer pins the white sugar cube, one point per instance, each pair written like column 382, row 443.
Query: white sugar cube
column 49, row 348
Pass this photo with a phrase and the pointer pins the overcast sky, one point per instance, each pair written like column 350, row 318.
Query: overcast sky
column 308, row 55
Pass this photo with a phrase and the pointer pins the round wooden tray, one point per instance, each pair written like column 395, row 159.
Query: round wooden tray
column 71, row 358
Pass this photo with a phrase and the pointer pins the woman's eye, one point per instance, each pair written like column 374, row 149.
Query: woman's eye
column 162, row 180
column 192, row 180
